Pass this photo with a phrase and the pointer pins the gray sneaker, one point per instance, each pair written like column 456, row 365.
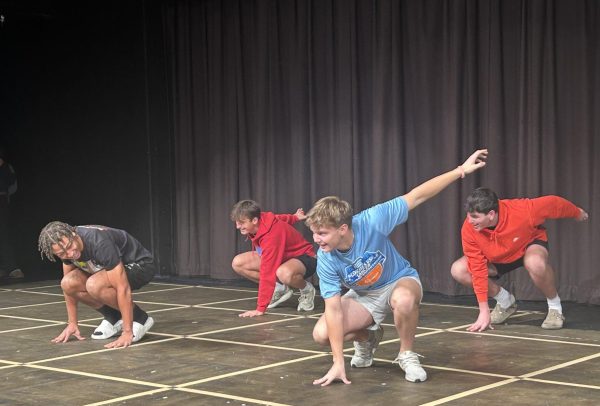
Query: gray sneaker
column 279, row 297
column 500, row 314
column 554, row 320
column 306, row 301
column 409, row 362
column 364, row 350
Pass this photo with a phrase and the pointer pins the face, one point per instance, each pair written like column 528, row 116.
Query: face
column 247, row 226
column 331, row 238
column 479, row 221
column 66, row 249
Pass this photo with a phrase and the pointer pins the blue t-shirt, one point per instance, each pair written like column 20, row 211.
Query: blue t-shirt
column 372, row 261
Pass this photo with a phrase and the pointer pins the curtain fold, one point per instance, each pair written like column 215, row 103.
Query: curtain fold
column 287, row 101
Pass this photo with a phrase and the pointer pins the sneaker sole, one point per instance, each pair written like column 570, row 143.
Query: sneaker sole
column 353, row 365
column 282, row 299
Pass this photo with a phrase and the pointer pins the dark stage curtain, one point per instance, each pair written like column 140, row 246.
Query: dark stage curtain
column 288, row 101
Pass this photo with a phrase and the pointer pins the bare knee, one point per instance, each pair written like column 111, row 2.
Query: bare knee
column 283, row 274
column 72, row 283
column 320, row 334
column 94, row 286
column 460, row 272
column 403, row 301
column 536, row 265
column 238, row 264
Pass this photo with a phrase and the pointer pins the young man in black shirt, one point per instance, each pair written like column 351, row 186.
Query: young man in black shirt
column 101, row 266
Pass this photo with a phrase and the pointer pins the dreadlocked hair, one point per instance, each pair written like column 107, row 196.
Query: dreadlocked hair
column 52, row 234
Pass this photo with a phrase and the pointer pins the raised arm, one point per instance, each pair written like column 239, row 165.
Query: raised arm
column 432, row 187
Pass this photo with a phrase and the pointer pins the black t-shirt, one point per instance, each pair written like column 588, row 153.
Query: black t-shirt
column 105, row 247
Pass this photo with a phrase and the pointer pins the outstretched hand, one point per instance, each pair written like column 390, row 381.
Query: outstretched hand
column 583, row 216
column 475, row 161
column 300, row 214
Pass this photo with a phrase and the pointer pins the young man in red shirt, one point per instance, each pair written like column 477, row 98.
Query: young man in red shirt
column 499, row 236
column 279, row 252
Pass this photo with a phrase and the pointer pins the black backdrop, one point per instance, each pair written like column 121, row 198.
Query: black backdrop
column 83, row 115
column 156, row 116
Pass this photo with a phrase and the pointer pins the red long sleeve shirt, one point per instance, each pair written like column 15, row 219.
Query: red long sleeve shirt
column 277, row 242
column 518, row 225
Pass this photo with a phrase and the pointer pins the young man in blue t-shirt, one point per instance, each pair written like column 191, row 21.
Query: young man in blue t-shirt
column 355, row 251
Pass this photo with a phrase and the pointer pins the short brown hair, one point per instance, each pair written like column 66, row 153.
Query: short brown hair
column 245, row 209
column 482, row 200
column 330, row 211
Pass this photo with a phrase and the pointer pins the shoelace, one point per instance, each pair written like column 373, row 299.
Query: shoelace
column 410, row 358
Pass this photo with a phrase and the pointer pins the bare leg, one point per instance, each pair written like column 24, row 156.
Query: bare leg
column 540, row 271
column 247, row 265
column 405, row 301
column 74, row 284
column 100, row 288
column 460, row 273
column 356, row 319
column 291, row 273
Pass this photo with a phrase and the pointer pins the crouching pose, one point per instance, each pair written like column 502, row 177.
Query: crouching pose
column 101, row 266
column 355, row 251
column 499, row 236
column 280, row 259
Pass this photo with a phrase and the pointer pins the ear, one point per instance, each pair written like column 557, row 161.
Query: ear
column 255, row 220
column 343, row 228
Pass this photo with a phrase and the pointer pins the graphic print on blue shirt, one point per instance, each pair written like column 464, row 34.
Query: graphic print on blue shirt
column 365, row 270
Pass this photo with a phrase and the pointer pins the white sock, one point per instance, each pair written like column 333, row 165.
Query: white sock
column 279, row 287
column 306, row 287
column 503, row 298
column 555, row 304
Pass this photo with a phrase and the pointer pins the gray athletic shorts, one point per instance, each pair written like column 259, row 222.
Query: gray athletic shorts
column 377, row 301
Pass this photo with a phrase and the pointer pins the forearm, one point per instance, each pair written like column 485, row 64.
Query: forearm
column 432, row 187
column 335, row 329
column 71, row 304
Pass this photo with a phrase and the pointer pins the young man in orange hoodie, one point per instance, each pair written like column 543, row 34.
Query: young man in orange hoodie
column 279, row 252
column 499, row 236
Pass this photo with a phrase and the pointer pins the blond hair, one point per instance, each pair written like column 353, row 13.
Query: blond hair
column 330, row 211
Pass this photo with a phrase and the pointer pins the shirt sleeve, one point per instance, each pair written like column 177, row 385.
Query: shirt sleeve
column 287, row 218
column 477, row 265
column 551, row 207
column 384, row 217
column 271, row 257
column 329, row 279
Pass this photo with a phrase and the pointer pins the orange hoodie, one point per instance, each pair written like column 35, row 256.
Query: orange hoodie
column 519, row 224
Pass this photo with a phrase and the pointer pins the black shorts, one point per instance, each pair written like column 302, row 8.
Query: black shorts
column 506, row 268
column 310, row 263
column 139, row 273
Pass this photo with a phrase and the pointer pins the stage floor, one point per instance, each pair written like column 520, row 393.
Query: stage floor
column 200, row 352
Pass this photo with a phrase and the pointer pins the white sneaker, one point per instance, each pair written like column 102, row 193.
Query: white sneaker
column 106, row 330
column 409, row 362
column 364, row 350
column 306, row 301
column 280, row 296
column 139, row 330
